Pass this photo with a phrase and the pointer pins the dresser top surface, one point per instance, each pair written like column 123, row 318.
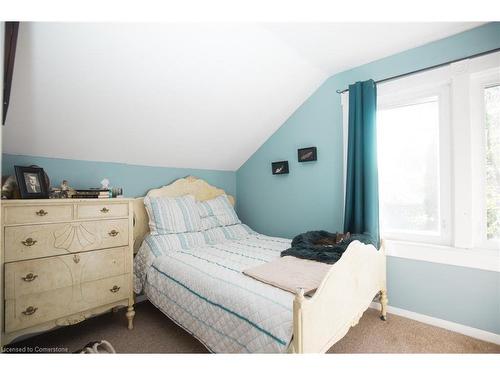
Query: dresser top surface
column 19, row 202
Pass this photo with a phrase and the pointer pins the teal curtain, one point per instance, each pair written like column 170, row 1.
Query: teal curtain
column 361, row 200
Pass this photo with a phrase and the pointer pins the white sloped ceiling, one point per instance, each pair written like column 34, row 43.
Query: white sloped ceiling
column 185, row 95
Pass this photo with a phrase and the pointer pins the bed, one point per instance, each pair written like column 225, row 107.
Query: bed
column 201, row 287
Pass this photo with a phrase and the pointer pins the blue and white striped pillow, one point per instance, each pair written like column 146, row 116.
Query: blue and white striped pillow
column 163, row 244
column 172, row 215
column 217, row 212
column 229, row 232
column 209, row 222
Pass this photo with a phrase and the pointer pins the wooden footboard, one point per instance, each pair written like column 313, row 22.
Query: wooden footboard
column 340, row 301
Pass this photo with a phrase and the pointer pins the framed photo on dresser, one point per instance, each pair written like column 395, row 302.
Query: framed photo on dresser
column 31, row 182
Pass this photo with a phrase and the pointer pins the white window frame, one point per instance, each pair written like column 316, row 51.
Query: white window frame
column 467, row 247
column 478, row 82
column 402, row 96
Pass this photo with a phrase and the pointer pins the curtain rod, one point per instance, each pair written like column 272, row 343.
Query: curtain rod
column 429, row 68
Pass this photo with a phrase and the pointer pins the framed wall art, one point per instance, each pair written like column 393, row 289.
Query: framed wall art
column 307, row 154
column 280, row 167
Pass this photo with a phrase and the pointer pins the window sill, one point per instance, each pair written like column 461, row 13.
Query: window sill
column 482, row 259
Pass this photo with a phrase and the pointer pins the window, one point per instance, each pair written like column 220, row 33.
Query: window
column 413, row 165
column 439, row 163
column 485, row 124
column 492, row 136
column 408, row 149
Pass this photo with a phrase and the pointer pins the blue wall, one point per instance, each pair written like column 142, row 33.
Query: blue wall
column 136, row 180
column 458, row 294
column 311, row 197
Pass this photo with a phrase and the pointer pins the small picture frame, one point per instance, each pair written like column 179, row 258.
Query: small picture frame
column 31, row 182
column 307, row 154
column 280, row 167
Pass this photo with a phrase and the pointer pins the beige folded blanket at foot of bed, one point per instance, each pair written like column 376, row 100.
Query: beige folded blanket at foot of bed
column 290, row 274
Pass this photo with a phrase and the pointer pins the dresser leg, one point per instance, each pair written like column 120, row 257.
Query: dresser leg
column 130, row 316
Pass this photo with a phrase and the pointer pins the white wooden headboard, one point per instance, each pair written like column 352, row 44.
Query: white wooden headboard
column 197, row 187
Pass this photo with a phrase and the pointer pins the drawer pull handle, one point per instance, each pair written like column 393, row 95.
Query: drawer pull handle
column 29, row 242
column 104, row 210
column 30, row 310
column 113, row 233
column 114, row 289
column 29, row 277
column 76, row 258
column 42, row 212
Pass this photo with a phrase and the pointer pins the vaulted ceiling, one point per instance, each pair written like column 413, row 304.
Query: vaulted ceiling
column 180, row 95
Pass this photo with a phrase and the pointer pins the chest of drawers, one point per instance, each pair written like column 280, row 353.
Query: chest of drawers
column 64, row 261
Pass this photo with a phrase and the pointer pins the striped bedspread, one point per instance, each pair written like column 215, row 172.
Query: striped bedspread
column 202, row 288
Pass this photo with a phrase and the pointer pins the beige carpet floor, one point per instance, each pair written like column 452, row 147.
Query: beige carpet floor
column 155, row 333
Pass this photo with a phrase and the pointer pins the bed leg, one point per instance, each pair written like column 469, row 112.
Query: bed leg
column 130, row 317
column 298, row 304
column 383, row 304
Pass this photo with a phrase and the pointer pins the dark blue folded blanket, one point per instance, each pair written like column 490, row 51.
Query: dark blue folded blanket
column 305, row 246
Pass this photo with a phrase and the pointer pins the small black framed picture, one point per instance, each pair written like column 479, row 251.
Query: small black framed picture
column 307, row 154
column 31, row 182
column 280, row 167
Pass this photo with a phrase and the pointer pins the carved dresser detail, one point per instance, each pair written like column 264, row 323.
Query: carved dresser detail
column 63, row 261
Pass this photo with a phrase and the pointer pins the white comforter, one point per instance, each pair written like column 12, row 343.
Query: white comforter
column 201, row 287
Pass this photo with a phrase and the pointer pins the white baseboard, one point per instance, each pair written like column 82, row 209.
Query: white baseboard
column 451, row 326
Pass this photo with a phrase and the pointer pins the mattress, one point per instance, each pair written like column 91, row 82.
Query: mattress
column 203, row 290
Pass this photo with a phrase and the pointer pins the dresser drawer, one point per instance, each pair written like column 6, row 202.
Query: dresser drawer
column 40, row 275
column 102, row 210
column 102, row 292
column 37, row 214
column 38, row 241
column 37, row 308
column 33, row 309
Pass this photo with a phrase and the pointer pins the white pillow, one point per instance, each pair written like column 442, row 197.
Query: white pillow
column 172, row 215
column 217, row 212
